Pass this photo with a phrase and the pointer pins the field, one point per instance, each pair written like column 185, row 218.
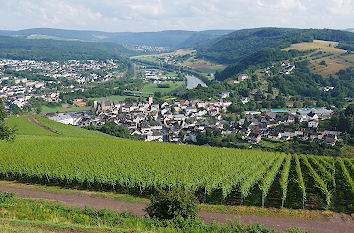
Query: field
column 334, row 58
column 217, row 175
column 199, row 65
column 152, row 87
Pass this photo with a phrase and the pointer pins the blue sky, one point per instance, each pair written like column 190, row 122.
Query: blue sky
column 156, row 15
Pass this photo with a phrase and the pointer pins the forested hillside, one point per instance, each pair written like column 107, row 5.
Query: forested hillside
column 54, row 50
column 230, row 48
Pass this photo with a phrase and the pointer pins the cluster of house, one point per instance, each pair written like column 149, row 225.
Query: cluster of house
column 79, row 71
column 148, row 120
column 240, row 78
column 24, row 90
column 172, row 59
column 185, row 119
column 150, row 49
column 260, row 125
column 286, row 68
column 18, row 90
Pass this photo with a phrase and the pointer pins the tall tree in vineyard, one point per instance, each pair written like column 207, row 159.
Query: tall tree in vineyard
column 6, row 133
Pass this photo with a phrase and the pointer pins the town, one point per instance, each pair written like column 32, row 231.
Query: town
column 178, row 121
column 49, row 79
column 183, row 120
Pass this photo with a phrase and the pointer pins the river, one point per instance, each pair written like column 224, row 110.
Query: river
column 192, row 81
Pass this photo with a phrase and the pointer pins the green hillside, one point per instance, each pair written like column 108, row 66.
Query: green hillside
column 55, row 50
column 216, row 175
column 69, row 130
column 24, row 127
column 230, row 48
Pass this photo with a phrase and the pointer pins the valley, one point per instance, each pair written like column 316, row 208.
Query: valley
column 251, row 124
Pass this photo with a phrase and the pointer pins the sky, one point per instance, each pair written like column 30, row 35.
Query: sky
column 157, row 15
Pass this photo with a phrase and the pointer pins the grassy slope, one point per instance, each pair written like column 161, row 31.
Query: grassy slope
column 331, row 55
column 25, row 127
column 151, row 88
column 71, row 131
column 28, row 215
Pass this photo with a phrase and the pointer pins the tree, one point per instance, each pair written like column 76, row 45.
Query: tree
column 173, row 204
column 6, row 133
column 15, row 109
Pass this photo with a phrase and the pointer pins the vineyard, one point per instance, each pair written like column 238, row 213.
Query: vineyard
column 216, row 175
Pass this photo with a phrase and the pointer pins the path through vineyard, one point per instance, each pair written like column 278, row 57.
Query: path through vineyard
column 34, row 121
column 334, row 224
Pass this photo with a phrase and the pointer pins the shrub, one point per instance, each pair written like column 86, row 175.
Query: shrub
column 173, row 204
column 323, row 63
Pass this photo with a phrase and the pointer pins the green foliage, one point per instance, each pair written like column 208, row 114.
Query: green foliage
column 6, row 198
column 269, row 177
column 24, row 127
column 300, row 179
column 323, row 63
column 69, row 130
column 284, row 181
column 231, row 47
column 6, row 133
column 52, row 50
column 318, row 182
column 173, row 204
column 113, row 129
column 15, row 109
column 91, row 159
column 43, row 213
column 344, row 122
column 348, row 181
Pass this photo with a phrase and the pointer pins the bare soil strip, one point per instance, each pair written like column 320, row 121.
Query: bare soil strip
column 5, row 121
column 36, row 122
column 334, row 224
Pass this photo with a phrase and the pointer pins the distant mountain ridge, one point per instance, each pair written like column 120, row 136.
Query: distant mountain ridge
column 170, row 38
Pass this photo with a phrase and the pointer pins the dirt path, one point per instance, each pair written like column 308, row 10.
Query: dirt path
column 36, row 122
column 5, row 121
column 335, row 224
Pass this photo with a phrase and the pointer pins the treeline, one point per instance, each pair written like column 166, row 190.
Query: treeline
column 114, row 87
column 113, row 129
column 344, row 122
column 296, row 146
column 230, row 48
column 28, row 74
column 54, row 50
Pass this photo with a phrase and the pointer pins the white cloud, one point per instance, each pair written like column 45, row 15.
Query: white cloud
column 152, row 15
column 291, row 4
column 341, row 7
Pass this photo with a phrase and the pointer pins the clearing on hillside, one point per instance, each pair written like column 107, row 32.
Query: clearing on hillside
column 326, row 59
